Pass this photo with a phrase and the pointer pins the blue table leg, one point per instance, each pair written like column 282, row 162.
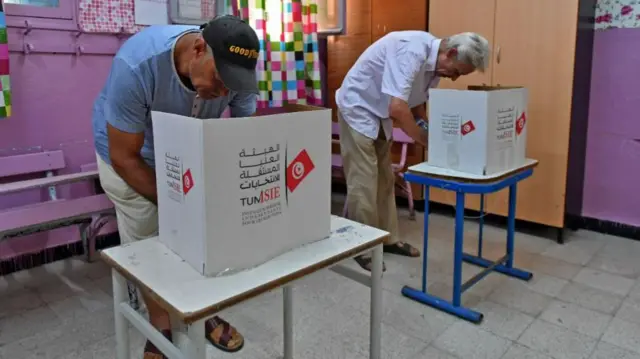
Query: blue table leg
column 511, row 223
column 425, row 239
column 503, row 265
column 481, row 225
column 421, row 295
column 505, row 268
column 458, row 248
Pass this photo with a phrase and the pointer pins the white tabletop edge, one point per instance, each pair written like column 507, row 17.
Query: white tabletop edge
column 426, row 169
column 151, row 264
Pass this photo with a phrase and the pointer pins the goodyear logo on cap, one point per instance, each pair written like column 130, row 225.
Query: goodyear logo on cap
column 243, row 51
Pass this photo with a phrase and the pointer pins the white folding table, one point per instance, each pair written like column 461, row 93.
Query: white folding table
column 192, row 298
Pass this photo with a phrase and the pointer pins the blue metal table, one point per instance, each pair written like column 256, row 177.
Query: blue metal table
column 463, row 184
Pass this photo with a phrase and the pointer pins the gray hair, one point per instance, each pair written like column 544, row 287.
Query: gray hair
column 473, row 49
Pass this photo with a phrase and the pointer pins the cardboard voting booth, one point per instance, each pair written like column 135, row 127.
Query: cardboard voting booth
column 482, row 130
column 235, row 193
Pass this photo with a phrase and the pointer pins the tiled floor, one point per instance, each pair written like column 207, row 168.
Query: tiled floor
column 584, row 302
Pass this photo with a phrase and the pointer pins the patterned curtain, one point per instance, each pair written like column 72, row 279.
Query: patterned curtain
column 289, row 63
column 5, row 87
column 611, row 14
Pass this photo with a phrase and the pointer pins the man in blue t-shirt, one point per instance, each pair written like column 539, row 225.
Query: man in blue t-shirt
column 183, row 70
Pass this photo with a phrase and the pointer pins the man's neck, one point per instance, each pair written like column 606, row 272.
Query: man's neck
column 181, row 54
column 182, row 57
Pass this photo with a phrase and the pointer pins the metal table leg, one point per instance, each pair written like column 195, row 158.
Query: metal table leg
column 504, row 266
column 376, row 304
column 196, row 347
column 287, row 292
column 120, row 295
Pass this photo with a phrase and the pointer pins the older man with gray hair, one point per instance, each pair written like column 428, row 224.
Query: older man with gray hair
column 389, row 84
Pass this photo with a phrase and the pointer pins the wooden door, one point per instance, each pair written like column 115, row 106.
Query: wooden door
column 344, row 50
column 450, row 17
column 388, row 16
column 535, row 47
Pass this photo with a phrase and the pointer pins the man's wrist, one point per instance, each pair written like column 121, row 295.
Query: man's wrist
column 422, row 123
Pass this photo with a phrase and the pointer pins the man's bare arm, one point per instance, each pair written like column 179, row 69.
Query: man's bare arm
column 401, row 114
column 124, row 152
column 420, row 112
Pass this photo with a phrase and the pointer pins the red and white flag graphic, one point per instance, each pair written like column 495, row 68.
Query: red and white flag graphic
column 298, row 170
column 187, row 182
column 521, row 122
column 467, row 127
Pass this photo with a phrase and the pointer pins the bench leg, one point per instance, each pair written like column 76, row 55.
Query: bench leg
column 288, row 321
column 89, row 233
column 88, row 241
column 120, row 295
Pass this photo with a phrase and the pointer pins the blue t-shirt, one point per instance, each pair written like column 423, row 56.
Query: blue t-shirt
column 142, row 79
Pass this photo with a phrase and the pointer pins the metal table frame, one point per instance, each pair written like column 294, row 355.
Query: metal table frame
column 503, row 265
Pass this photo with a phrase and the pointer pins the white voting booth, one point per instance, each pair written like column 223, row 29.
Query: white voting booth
column 482, row 130
column 235, row 193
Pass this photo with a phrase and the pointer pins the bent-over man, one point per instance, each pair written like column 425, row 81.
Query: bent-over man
column 389, row 85
column 177, row 69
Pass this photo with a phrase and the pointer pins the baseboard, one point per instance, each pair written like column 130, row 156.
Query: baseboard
column 49, row 255
column 605, row 227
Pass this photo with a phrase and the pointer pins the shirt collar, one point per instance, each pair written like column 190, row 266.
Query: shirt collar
column 432, row 57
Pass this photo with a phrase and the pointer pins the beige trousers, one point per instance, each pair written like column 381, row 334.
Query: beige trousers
column 370, row 179
column 137, row 216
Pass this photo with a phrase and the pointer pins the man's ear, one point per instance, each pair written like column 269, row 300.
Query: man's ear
column 452, row 53
column 200, row 46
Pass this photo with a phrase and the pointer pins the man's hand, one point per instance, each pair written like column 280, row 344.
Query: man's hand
column 401, row 114
column 124, row 152
column 420, row 111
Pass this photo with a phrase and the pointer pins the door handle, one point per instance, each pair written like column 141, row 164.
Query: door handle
column 498, row 54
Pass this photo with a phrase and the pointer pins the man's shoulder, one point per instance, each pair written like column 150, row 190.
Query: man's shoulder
column 412, row 40
column 150, row 42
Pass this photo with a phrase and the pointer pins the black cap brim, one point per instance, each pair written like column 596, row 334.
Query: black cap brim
column 237, row 78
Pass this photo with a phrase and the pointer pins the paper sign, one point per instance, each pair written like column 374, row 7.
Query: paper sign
column 151, row 12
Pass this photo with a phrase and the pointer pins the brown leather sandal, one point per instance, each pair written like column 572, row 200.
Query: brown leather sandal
column 223, row 335
column 150, row 350
column 401, row 249
column 366, row 263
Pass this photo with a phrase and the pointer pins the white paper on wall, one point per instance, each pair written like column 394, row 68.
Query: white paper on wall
column 190, row 9
column 151, row 12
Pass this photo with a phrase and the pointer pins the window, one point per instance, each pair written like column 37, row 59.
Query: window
column 331, row 17
column 43, row 3
column 50, row 9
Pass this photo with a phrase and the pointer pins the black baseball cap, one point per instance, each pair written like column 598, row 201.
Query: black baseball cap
column 235, row 48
